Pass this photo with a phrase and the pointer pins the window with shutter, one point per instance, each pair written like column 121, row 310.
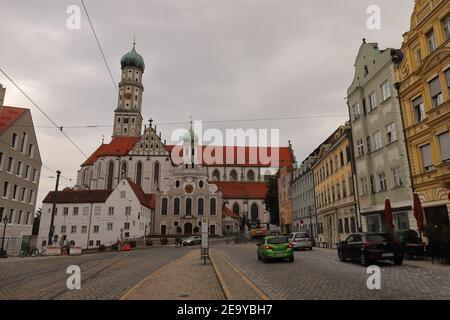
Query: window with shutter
column 435, row 92
column 427, row 158
column 418, row 108
column 447, row 80
column 444, row 144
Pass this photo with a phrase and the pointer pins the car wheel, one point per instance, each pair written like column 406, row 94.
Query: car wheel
column 398, row 261
column 310, row 248
column 364, row 261
column 264, row 259
column 291, row 258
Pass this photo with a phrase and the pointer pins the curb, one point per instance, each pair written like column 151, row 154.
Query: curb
column 226, row 291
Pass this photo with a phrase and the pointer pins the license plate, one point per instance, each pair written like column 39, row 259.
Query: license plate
column 280, row 254
column 387, row 255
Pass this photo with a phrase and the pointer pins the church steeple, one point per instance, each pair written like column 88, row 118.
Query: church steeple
column 127, row 116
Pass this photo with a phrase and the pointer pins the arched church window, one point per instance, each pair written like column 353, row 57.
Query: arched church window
column 188, row 206
column 118, row 120
column 164, row 203
column 233, row 175
column 156, row 175
column 110, row 175
column 176, row 206
column 236, row 208
column 254, row 212
column 212, row 206
column 124, row 130
column 124, row 171
column 139, row 174
column 200, row 206
column 216, row 175
column 250, row 175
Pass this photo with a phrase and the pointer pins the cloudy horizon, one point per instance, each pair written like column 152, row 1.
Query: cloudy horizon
column 212, row 60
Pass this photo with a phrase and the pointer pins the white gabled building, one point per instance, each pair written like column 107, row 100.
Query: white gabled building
column 90, row 218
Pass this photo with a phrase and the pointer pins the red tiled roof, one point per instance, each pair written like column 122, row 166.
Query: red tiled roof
column 229, row 213
column 250, row 156
column 146, row 199
column 242, row 190
column 78, row 196
column 9, row 115
column 119, row 146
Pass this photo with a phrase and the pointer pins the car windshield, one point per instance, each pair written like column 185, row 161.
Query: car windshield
column 377, row 238
column 277, row 240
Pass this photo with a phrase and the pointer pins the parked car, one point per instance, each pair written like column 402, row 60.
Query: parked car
column 277, row 247
column 367, row 247
column 191, row 241
column 301, row 240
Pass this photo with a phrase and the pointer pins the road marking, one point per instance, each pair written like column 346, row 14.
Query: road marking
column 161, row 269
column 261, row 294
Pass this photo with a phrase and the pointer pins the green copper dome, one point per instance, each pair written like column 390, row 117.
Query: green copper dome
column 133, row 59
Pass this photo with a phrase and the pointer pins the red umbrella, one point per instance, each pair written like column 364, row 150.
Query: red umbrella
column 388, row 215
column 418, row 213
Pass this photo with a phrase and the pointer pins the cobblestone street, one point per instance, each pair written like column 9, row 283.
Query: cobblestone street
column 318, row 274
column 103, row 275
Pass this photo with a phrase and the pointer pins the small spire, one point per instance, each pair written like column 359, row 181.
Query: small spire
column 103, row 138
column 134, row 41
column 364, row 40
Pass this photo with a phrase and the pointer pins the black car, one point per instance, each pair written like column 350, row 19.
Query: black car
column 367, row 247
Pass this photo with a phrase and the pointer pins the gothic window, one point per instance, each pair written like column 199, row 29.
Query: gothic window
column 139, row 174
column 124, row 170
column 110, row 175
column 250, row 175
column 156, row 175
column 164, row 203
column 254, row 212
column 233, row 175
column 216, row 175
column 236, row 208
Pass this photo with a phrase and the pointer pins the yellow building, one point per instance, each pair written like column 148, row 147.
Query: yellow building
column 424, row 90
column 334, row 188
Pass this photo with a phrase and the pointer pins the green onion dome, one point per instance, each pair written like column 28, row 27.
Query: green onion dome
column 133, row 59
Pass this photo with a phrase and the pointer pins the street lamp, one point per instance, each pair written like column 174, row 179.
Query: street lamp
column 2, row 251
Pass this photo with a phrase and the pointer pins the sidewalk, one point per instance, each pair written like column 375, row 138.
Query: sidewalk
column 184, row 279
column 235, row 284
column 426, row 264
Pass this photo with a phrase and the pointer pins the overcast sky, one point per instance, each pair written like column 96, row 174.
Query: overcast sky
column 212, row 59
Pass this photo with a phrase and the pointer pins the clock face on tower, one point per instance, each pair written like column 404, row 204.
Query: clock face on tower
column 127, row 95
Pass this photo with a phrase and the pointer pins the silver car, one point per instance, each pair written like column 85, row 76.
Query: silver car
column 301, row 240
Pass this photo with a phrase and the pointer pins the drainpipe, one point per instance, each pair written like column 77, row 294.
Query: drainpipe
column 89, row 228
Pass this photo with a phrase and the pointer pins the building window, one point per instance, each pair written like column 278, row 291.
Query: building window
column 5, row 189
column 372, row 184
column 418, row 57
column 73, row 229
column 338, row 191
column 85, row 211
column 176, row 206
column 14, row 140
column 353, row 224
column 164, row 206
column 212, row 206
column 376, row 141
column 128, row 211
column 91, row 243
column 382, row 180
column 447, row 80
column 401, row 221
column 360, row 147
column 233, row 175
column 139, row 174
column 419, row 109
column 385, row 90
column 446, row 26
column 10, row 164
column 109, row 226
column 188, row 206
column 397, row 177
column 341, row 154
column 126, row 226
column 163, row 229
column 27, row 169
column 111, row 211
column 372, row 101
column 97, row 210
column 200, row 184
column 156, row 175
column 250, row 175
column 123, row 194
column 356, row 111
column 340, row 226
column 344, row 188
column 431, row 40
column 83, row 229
column 346, row 226
column 65, row 211
column 350, row 183
column 373, row 223
column 63, row 229
column 391, row 135
column 427, row 157
column 444, row 145
column 24, row 191
column 435, row 92
column 110, row 175
column 200, row 206
column 254, row 213
column 236, row 208
column 1, row 160
column 96, row 229
column 19, row 168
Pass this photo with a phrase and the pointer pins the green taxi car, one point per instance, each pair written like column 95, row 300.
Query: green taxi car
column 276, row 247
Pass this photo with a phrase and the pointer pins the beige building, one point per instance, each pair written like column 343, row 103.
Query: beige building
column 20, row 166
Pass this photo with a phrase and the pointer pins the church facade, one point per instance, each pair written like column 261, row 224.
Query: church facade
column 184, row 192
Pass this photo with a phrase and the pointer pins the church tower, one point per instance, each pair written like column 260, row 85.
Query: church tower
column 127, row 116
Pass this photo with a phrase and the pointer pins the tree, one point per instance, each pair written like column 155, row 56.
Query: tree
column 271, row 199
column 37, row 221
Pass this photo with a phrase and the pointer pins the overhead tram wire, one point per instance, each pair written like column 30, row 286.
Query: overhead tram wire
column 99, row 46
